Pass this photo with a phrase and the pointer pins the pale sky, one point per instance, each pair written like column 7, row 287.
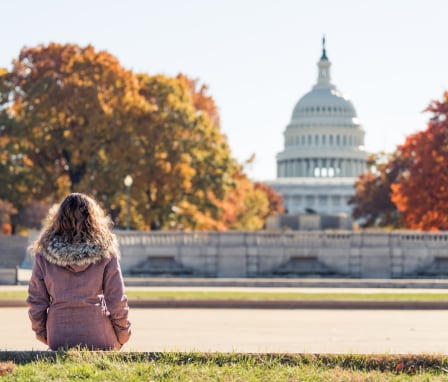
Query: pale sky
column 258, row 57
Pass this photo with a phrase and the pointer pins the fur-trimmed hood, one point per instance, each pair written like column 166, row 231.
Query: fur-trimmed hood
column 79, row 256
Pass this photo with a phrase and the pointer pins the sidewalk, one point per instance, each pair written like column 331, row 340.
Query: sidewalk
column 288, row 282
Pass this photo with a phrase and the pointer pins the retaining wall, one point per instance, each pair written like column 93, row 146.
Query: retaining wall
column 255, row 254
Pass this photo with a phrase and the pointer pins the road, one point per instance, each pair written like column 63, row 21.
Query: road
column 256, row 330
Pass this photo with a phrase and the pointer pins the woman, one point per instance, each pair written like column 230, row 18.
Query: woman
column 76, row 292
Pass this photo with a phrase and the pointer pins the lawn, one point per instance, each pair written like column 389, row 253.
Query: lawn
column 92, row 366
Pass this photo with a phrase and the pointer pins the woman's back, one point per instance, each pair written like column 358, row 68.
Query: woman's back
column 76, row 292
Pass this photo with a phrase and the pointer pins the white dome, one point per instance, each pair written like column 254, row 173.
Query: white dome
column 324, row 102
column 325, row 137
column 323, row 150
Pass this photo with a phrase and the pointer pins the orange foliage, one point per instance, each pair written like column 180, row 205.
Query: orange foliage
column 6, row 229
column 201, row 101
column 275, row 199
column 79, row 121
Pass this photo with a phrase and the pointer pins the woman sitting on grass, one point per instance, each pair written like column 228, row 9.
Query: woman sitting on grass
column 76, row 292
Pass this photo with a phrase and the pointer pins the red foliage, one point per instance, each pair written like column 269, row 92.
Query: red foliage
column 421, row 193
column 372, row 203
column 275, row 199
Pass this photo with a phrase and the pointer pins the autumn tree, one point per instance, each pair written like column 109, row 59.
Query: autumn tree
column 275, row 200
column 73, row 119
column 372, row 200
column 421, row 192
column 71, row 109
column 183, row 163
column 248, row 205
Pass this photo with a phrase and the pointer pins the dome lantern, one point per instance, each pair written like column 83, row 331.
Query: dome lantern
column 323, row 78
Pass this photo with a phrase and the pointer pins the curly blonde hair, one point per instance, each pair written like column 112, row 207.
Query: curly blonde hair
column 78, row 219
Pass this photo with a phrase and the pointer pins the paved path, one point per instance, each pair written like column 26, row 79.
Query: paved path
column 310, row 290
column 289, row 282
column 315, row 331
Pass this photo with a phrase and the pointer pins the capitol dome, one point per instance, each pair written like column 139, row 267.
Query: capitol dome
column 324, row 137
column 323, row 149
column 324, row 102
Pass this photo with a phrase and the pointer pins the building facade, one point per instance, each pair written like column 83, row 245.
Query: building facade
column 323, row 150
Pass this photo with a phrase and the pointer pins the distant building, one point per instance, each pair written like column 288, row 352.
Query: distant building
column 323, row 150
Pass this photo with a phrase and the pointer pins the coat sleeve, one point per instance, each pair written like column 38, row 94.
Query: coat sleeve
column 38, row 301
column 116, row 300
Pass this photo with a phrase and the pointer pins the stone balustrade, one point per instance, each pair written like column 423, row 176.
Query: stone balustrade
column 292, row 253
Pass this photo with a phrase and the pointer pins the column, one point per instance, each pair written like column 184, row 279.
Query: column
column 296, row 167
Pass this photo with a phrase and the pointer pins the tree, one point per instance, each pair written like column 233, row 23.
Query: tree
column 182, row 163
column 74, row 120
column 275, row 200
column 372, row 202
column 71, row 109
column 421, row 192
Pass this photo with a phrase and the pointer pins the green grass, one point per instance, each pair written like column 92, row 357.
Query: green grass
column 13, row 295
column 91, row 366
column 270, row 296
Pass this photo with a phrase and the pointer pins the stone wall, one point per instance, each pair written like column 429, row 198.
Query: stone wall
column 255, row 254
column 12, row 251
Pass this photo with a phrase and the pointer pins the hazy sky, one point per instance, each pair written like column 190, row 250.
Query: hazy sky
column 259, row 57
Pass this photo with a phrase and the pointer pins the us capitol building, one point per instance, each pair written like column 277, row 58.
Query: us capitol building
column 323, row 150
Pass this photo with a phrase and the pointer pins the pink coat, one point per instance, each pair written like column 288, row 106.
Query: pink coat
column 76, row 297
